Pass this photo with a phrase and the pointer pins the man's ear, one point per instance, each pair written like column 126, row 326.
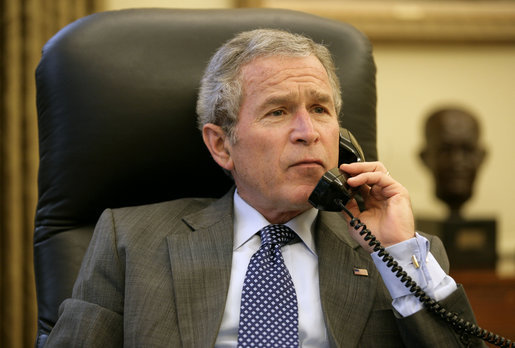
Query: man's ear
column 216, row 142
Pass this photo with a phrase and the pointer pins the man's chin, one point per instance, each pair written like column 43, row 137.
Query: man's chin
column 301, row 194
column 309, row 172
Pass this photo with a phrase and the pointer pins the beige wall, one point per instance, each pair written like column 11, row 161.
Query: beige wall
column 119, row 4
column 411, row 80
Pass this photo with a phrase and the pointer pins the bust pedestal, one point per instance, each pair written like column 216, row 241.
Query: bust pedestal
column 470, row 244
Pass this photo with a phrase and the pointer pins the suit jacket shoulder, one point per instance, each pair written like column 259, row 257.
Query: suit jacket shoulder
column 153, row 275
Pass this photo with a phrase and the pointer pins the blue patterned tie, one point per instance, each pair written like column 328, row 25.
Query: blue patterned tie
column 268, row 313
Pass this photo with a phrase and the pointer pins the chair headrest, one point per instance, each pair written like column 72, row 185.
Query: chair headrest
column 116, row 95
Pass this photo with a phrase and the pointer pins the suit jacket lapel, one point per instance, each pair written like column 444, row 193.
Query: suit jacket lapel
column 201, row 267
column 346, row 298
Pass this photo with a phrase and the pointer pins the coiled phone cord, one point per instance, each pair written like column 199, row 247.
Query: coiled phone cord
column 460, row 325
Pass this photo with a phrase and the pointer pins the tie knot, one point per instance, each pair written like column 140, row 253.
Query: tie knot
column 276, row 235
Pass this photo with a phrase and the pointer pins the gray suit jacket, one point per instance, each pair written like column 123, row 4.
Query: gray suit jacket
column 158, row 275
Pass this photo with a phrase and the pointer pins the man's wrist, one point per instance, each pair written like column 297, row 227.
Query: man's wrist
column 404, row 253
column 414, row 257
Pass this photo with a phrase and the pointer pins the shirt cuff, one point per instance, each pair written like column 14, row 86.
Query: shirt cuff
column 414, row 257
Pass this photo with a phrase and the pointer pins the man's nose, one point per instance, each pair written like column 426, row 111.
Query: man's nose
column 304, row 130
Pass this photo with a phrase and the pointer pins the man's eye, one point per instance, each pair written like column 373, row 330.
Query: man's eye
column 319, row 110
column 276, row 113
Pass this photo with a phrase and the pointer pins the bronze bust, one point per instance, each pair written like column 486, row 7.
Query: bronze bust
column 453, row 153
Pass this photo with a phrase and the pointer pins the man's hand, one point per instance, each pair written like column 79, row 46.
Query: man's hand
column 388, row 214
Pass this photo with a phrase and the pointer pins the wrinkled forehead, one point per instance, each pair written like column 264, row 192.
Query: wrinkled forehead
column 278, row 62
column 271, row 71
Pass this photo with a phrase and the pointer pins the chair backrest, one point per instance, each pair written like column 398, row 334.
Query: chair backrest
column 116, row 95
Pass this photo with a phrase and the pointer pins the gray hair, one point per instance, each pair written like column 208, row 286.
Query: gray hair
column 221, row 89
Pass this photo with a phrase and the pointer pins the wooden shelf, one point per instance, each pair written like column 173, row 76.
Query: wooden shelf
column 492, row 298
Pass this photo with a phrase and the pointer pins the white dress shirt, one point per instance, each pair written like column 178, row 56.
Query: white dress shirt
column 302, row 262
column 300, row 259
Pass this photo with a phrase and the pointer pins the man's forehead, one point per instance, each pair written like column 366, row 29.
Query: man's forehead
column 266, row 64
column 270, row 71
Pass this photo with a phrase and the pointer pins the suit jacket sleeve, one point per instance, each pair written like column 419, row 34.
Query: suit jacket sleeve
column 93, row 317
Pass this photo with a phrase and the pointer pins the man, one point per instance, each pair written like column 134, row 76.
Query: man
column 454, row 154
column 173, row 274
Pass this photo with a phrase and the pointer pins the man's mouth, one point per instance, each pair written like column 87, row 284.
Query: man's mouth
column 308, row 163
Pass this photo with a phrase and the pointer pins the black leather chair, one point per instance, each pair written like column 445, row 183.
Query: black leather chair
column 116, row 94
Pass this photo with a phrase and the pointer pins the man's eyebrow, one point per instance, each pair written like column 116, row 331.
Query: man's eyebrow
column 277, row 99
column 320, row 97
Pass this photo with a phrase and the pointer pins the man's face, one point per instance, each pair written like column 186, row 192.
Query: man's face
column 286, row 135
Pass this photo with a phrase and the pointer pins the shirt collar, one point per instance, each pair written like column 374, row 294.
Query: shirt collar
column 248, row 221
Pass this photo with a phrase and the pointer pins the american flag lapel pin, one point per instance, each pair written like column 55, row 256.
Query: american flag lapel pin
column 360, row 272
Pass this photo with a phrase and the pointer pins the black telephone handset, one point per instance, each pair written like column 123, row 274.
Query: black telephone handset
column 332, row 189
column 332, row 194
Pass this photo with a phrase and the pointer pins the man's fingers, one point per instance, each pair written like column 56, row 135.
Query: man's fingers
column 371, row 179
column 361, row 167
